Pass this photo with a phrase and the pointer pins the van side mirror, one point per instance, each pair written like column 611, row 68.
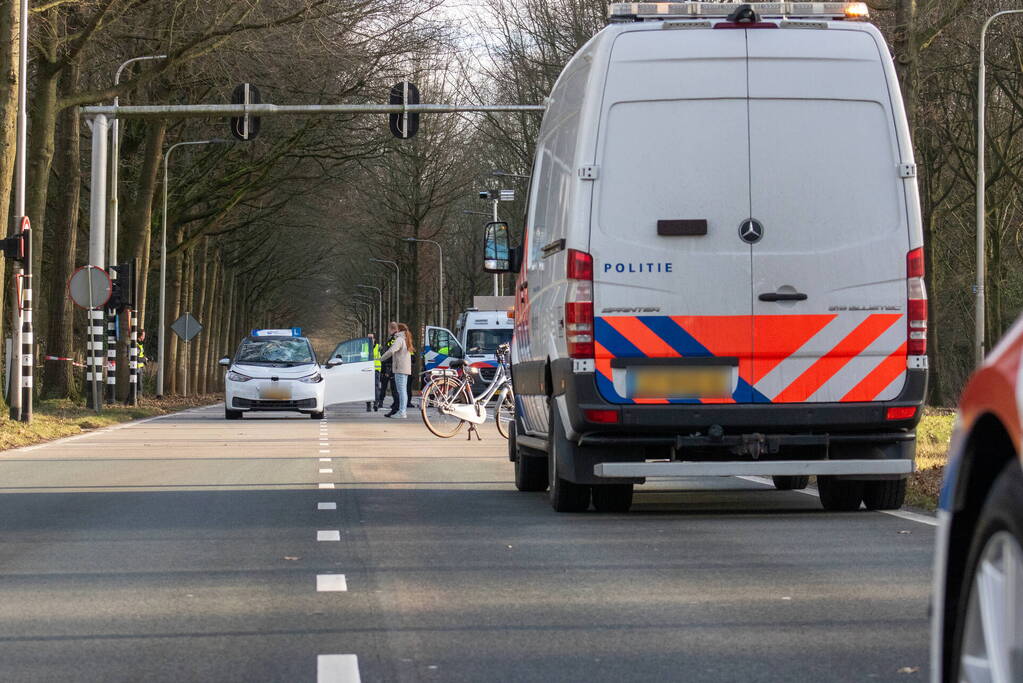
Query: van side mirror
column 496, row 252
column 225, row 361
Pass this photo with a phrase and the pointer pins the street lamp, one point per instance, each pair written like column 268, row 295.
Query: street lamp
column 397, row 285
column 161, row 342
column 369, row 315
column 979, row 323
column 440, row 271
column 115, row 144
column 380, row 309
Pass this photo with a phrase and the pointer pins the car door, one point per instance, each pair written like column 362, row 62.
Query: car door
column 354, row 379
column 440, row 346
column 671, row 274
column 829, row 271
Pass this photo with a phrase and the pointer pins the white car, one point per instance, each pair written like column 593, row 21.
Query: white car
column 276, row 370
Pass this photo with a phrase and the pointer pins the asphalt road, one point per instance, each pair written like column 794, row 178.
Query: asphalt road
column 186, row 548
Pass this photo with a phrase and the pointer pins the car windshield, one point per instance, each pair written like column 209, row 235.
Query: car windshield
column 486, row 341
column 269, row 351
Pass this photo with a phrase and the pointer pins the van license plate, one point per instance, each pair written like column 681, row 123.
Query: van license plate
column 680, row 382
column 276, row 393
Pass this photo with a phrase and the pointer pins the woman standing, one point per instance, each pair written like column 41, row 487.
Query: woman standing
column 400, row 352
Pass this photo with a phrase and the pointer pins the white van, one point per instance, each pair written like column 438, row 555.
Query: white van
column 723, row 267
column 478, row 333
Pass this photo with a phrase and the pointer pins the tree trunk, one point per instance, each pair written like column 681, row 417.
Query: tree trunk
column 136, row 228
column 185, row 306
column 9, row 55
column 199, row 302
column 59, row 379
column 173, row 311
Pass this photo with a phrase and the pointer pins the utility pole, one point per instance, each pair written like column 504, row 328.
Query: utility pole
column 21, row 331
column 979, row 322
column 97, row 251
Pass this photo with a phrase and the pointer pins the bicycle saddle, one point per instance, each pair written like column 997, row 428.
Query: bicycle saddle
column 456, row 363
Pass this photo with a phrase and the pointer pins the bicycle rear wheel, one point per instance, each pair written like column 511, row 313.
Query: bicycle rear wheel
column 443, row 391
column 505, row 414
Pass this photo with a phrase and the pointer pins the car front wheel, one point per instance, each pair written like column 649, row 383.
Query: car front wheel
column 989, row 623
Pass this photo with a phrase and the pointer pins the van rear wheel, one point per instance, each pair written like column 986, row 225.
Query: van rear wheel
column 886, row 494
column 612, row 497
column 840, row 495
column 785, row 482
column 232, row 414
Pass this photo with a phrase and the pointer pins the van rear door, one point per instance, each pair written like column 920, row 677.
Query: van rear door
column 672, row 279
column 829, row 288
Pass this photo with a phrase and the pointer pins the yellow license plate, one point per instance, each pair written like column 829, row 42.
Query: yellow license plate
column 275, row 393
column 680, row 382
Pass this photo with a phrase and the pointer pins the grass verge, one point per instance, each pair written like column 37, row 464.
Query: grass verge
column 932, row 438
column 58, row 418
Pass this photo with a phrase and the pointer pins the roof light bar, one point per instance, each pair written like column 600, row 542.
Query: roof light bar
column 285, row 332
column 682, row 10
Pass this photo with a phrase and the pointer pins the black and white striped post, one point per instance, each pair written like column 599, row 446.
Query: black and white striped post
column 97, row 255
column 133, row 357
column 27, row 353
column 94, row 371
column 112, row 349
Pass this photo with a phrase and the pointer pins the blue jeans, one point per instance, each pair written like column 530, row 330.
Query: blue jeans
column 401, row 383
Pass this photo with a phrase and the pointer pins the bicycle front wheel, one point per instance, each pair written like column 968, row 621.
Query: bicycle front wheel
column 443, row 392
column 505, row 414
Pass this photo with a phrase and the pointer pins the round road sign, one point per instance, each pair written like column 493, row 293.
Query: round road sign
column 89, row 287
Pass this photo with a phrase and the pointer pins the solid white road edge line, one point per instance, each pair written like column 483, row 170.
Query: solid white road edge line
column 328, row 535
column 326, row 506
column 901, row 514
column 331, row 583
column 337, row 669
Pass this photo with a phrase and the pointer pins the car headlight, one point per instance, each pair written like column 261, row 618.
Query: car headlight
column 314, row 378
column 237, row 376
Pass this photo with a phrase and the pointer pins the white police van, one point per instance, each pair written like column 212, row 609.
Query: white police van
column 478, row 332
column 276, row 370
column 723, row 269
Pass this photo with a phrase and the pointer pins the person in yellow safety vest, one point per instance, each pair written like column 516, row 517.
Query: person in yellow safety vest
column 366, row 345
column 376, row 372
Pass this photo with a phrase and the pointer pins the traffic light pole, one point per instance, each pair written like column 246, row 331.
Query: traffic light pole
column 97, row 252
column 21, row 365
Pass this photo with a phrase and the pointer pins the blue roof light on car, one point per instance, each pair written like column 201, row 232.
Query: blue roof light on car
column 284, row 332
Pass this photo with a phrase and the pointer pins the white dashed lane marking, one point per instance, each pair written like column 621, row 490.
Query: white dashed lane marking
column 326, row 506
column 337, row 669
column 328, row 535
column 326, row 470
column 328, row 485
column 331, row 583
column 324, row 459
column 322, row 450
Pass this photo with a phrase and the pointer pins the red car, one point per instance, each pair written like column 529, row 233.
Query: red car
column 977, row 625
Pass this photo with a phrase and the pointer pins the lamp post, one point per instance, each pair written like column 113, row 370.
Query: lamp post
column 397, row 285
column 440, row 272
column 380, row 306
column 20, row 395
column 161, row 341
column 369, row 315
column 979, row 322
column 115, row 154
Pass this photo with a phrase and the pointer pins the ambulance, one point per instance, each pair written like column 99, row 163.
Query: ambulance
column 722, row 272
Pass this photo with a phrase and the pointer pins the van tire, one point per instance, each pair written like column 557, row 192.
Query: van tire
column 612, row 497
column 840, row 495
column 785, row 482
column 316, row 416
column 885, row 494
column 565, row 496
column 530, row 468
column 232, row 414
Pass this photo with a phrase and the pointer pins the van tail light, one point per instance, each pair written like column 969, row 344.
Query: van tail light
column 579, row 305
column 900, row 413
column 916, row 308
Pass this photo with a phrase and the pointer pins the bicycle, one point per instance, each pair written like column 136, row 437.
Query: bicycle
column 448, row 404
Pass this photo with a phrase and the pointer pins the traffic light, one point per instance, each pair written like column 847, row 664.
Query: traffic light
column 246, row 127
column 123, row 287
column 14, row 247
column 404, row 126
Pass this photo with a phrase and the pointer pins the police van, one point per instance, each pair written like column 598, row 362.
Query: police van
column 478, row 332
column 275, row 370
column 722, row 272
